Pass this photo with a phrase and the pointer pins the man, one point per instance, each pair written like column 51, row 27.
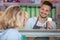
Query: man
column 42, row 22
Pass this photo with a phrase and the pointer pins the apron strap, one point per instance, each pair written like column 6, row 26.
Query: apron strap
column 46, row 26
column 39, row 27
column 36, row 23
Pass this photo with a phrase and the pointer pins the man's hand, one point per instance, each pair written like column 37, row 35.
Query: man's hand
column 49, row 27
column 42, row 28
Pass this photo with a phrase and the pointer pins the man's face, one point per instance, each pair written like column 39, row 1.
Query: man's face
column 45, row 11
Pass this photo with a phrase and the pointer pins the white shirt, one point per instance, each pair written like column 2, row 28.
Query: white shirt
column 31, row 22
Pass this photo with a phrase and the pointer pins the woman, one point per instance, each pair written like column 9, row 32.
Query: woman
column 12, row 20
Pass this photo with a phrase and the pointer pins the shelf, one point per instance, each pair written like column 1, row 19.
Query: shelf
column 40, row 33
column 18, row 4
column 1, row 2
column 23, row 4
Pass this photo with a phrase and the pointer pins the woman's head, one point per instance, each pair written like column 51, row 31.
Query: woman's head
column 14, row 17
column 10, row 16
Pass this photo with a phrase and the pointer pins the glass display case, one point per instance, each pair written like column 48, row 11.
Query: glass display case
column 41, row 33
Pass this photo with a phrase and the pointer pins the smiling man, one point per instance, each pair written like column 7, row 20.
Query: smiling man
column 43, row 21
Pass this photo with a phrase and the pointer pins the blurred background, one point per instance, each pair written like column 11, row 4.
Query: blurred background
column 32, row 7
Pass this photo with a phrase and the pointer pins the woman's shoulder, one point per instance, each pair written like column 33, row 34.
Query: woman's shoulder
column 11, row 33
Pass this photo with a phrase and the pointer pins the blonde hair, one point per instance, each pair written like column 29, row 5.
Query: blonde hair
column 1, row 15
column 23, row 18
column 13, row 18
column 9, row 18
column 1, row 19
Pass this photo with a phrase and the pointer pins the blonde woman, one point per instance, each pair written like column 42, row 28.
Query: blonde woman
column 10, row 23
column 15, row 17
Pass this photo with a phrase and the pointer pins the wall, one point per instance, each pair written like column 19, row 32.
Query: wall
column 58, row 13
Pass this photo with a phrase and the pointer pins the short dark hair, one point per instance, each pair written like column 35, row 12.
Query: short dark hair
column 48, row 3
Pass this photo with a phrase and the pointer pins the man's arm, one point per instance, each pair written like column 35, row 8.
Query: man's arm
column 51, row 25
